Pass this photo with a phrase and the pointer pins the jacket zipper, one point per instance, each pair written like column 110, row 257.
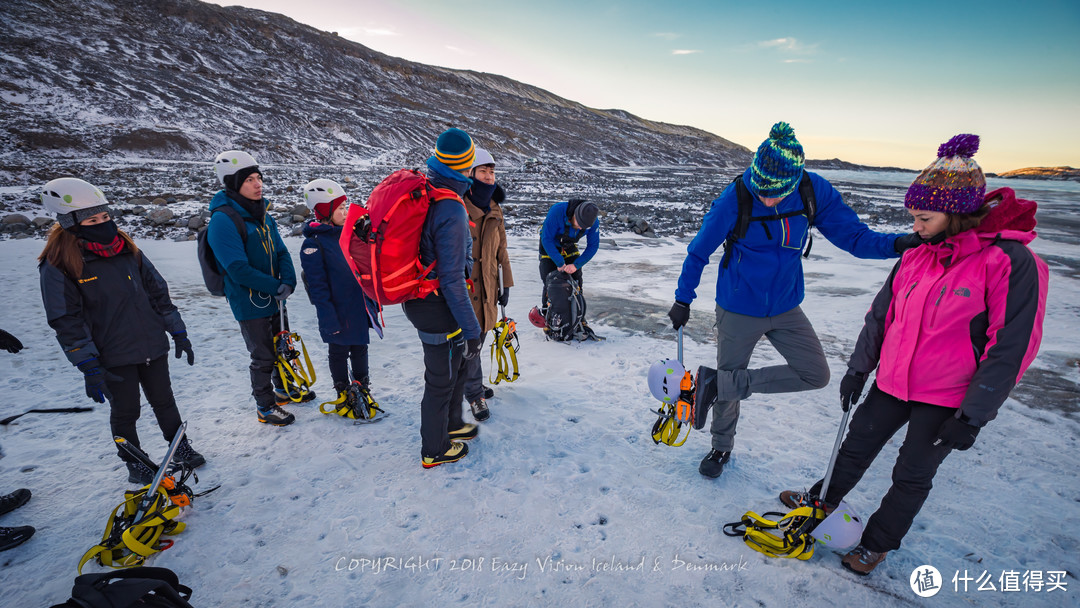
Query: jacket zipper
column 937, row 303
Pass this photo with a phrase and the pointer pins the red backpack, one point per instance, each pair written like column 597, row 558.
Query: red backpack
column 381, row 243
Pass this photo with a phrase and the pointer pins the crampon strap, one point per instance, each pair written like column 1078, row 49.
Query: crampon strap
column 292, row 372
column 354, row 403
column 673, row 416
column 504, row 346
column 779, row 534
column 126, row 542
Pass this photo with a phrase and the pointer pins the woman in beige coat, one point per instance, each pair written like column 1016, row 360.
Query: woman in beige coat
column 491, row 274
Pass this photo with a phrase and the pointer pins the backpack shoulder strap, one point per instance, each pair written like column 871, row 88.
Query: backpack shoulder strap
column 237, row 220
column 742, row 220
column 806, row 191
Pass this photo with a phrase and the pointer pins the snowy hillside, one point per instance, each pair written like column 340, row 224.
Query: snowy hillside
column 182, row 79
column 564, row 500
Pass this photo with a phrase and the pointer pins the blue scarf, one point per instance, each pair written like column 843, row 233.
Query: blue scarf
column 480, row 195
column 449, row 174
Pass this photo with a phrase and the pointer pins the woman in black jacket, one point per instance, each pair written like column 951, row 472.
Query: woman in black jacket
column 110, row 309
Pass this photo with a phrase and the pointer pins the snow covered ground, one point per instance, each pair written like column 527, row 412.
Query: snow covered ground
column 564, row 500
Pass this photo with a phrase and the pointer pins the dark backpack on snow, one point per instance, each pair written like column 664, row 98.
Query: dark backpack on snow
column 142, row 586
column 565, row 306
column 746, row 206
column 211, row 272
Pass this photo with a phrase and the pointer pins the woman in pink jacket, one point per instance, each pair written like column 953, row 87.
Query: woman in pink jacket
column 950, row 334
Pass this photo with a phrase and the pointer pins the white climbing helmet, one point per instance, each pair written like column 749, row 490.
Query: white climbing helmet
column 841, row 530
column 664, row 379
column 319, row 191
column 73, row 200
column 231, row 161
column 481, row 157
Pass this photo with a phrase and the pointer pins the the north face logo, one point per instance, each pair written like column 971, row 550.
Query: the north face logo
column 963, row 292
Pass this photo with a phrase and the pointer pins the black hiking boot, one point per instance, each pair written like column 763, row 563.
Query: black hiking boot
column 187, row 455
column 480, row 410
column 13, row 537
column 713, row 463
column 488, row 393
column 704, row 395
column 139, row 473
column 10, row 502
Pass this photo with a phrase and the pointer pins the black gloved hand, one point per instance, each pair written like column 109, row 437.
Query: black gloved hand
column 472, row 348
column 9, row 342
column 679, row 314
column 183, row 345
column 283, row 291
column 504, row 297
column 851, row 388
column 956, row 434
column 95, row 378
column 907, row 241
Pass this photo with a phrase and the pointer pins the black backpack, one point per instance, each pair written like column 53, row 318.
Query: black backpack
column 746, row 206
column 565, row 306
column 211, row 273
column 142, row 586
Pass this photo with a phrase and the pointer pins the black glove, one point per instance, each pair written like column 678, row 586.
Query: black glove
column 956, row 434
column 9, row 342
column 283, row 291
column 679, row 314
column 907, row 241
column 183, row 345
column 504, row 297
column 96, row 378
column 472, row 348
column 851, row 388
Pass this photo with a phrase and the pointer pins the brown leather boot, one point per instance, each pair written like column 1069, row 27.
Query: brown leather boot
column 861, row 560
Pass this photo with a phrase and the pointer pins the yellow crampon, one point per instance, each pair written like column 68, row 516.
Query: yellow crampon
column 504, row 346
column 354, row 403
column 779, row 534
column 673, row 416
column 127, row 542
column 296, row 380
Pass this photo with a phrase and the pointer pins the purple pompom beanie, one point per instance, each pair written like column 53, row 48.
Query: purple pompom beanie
column 953, row 183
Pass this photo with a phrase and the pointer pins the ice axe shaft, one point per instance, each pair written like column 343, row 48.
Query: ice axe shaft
column 835, row 452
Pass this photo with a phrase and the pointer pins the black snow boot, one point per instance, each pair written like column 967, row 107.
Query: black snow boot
column 187, row 455
column 13, row 537
column 713, row 463
column 139, row 473
column 10, row 502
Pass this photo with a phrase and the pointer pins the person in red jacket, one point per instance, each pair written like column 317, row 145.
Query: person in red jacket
column 950, row 334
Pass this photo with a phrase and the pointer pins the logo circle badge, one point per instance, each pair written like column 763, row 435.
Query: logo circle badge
column 925, row 581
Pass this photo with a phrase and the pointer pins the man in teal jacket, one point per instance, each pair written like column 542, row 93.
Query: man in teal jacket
column 760, row 283
column 258, row 273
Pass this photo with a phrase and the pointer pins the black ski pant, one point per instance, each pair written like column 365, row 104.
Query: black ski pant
column 875, row 422
column 341, row 355
column 444, row 387
column 259, row 338
column 126, row 404
column 546, row 268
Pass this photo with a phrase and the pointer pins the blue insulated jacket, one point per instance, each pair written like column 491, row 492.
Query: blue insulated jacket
column 557, row 225
column 446, row 239
column 765, row 275
column 345, row 313
column 253, row 272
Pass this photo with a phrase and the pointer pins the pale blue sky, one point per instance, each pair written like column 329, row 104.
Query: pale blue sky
column 873, row 83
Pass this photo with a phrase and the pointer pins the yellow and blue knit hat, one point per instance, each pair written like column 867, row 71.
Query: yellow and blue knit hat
column 455, row 149
column 778, row 163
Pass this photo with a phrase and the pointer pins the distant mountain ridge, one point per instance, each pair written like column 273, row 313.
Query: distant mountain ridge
column 1047, row 173
column 183, row 80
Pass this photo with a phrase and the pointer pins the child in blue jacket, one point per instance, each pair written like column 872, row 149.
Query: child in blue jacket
column 345, row 313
